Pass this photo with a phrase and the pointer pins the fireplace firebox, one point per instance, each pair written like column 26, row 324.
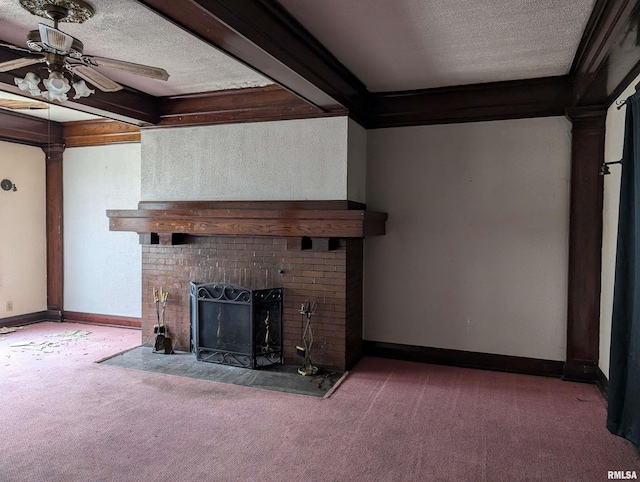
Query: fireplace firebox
column 237, row 326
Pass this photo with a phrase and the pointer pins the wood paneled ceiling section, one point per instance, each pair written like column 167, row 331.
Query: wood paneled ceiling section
column 518, row 41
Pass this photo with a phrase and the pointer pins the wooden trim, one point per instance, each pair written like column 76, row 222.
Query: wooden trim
column 594, row 33
column 580, row 371
column 25, row 129
column 54, row 315
column 602, row 383
column 585, row 242
column 590, row 66
column 250, row 222
column 25, row 319
column 467, row 359
column 54, row 223
column 260, row 205
column 99, row 319
column 254, row 104
column 265, row 37
column 542, row 97
column 99, row 133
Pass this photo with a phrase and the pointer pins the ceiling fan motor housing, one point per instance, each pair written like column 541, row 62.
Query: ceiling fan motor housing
column 35, row 42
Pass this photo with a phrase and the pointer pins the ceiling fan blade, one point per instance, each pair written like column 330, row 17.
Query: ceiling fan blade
column 138, row 69
column 18, row 63
column 14, row 47
column 94, row 77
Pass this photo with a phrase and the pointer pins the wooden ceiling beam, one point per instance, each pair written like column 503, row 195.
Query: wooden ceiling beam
column 99, row 132
column 26, row 129
column 542, row 97
column 266, row 38
column 252, row 104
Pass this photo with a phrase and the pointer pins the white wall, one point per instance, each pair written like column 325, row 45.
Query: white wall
column 102, row 269
column 283, row 160
column 614, row 141
column 475, row 255
column 23, row 267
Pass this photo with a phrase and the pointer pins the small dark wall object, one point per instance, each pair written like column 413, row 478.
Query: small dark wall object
column 7, row 185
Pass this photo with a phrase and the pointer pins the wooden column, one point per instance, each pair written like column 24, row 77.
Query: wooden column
column 55, row 251
column 585, row 242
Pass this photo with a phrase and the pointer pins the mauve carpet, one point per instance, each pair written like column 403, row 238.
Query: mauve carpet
column 66, row 418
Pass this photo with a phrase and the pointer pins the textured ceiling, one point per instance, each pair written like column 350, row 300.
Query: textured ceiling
column 391, row 45
column 396, row 45
column 126, row 30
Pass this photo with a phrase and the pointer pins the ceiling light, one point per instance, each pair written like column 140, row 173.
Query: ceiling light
column 82, row 90
column 56, row 85
column 29, row 83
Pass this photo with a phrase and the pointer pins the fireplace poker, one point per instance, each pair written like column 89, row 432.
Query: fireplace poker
column 307, row 310
column 267, row 337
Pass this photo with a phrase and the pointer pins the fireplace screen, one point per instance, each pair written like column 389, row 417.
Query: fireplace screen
column 233, row 325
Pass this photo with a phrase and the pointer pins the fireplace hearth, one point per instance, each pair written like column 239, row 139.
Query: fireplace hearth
column 234, row 325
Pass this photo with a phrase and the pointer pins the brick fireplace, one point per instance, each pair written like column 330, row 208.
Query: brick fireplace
column 290, row 248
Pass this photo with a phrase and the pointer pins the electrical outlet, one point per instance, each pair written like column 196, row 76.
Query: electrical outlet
column 9, row 305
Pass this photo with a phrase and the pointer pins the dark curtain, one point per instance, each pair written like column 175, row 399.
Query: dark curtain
column 624, row 376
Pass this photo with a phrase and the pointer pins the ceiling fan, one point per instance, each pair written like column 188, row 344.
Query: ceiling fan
column 63, row 53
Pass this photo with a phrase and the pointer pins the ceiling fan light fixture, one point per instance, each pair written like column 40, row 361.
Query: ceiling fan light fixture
column 29, row 83
column 82, row 89
column 57, row 87
column 64, row 53
column 55, row 96
column 57, row 82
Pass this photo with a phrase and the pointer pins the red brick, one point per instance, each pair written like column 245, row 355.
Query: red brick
column 334, row 279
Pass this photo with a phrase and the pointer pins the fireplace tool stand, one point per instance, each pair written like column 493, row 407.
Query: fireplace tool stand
column 163, row 342
column 307, row 310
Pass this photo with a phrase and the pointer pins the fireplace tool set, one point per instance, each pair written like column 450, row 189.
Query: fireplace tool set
column 307, row 310
column 163, row 342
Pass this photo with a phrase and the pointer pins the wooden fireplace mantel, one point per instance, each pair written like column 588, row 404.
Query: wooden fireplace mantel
column 291, row 219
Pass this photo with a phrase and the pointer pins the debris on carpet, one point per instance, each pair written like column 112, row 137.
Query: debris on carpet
column 48, row 346
column 31, row 345
column 9, row 329
column 71, row 334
